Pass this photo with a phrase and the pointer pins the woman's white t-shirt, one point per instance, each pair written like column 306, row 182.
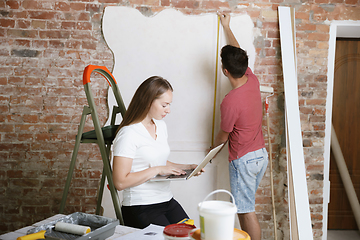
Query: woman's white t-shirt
column 135, row 142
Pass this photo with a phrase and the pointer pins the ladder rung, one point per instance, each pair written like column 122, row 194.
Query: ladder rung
column 109, row 133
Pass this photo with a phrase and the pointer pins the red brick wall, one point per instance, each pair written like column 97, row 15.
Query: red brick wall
column 45, row 46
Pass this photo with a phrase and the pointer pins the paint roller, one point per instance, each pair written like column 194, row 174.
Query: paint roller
column 72, row 228
column 266, row 89
column 61, row 227
column 270, row 90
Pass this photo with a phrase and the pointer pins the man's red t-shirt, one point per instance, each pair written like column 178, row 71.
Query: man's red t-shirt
column 241, row 116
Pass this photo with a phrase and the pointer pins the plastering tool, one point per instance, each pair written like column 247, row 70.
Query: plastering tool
column 265, row 89
column 33, row 236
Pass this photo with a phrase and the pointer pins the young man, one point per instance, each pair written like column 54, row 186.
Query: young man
column 241, row 124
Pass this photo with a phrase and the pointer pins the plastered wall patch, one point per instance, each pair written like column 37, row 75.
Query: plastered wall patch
column 180, row 48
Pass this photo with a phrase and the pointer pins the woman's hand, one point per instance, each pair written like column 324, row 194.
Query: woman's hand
column 193, row 166
column 169, row 169
column 185, row 167
column 123, row 177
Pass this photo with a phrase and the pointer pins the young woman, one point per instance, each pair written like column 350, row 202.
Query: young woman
column 140, row 153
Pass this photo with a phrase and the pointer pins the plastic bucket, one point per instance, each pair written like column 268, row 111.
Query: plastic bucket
column 217, row 218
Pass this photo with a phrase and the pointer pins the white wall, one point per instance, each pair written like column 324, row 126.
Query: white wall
column 182, row 49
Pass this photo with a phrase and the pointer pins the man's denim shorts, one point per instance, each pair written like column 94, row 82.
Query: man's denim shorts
column 245, row 176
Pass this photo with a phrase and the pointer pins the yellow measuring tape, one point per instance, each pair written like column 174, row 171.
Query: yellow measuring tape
column 216, row 79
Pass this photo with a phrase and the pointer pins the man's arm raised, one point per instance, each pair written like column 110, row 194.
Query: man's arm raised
column 225, row 22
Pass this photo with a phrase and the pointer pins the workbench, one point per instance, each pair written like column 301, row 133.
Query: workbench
column 119, row 230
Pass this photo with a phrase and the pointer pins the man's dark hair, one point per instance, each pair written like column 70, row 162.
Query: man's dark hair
column 234, row 60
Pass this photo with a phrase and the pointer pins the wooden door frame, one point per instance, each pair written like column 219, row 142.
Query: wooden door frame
column 348, row 29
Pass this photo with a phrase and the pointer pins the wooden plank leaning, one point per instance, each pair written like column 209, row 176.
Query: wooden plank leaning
column 300, row 220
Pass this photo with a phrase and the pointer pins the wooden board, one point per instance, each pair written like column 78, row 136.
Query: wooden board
column 296, row 163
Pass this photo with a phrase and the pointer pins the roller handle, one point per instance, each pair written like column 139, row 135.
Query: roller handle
column 267, row 105
column 33, row 236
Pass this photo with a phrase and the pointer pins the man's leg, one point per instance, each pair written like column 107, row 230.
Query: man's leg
column 250, row 224
column 245, row 176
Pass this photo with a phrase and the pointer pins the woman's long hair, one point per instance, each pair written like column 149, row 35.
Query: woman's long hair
column 151, row 89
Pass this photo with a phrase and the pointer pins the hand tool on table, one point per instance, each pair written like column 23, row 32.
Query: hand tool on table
column 50, row 233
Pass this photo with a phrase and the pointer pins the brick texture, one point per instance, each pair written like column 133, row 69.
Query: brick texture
column 45, row 46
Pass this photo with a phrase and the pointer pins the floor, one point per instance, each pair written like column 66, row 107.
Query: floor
column 343, row 235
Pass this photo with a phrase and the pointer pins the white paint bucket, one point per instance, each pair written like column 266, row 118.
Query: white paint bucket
column 217, row 218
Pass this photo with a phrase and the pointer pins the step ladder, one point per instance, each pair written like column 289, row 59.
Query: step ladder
column 102, row 136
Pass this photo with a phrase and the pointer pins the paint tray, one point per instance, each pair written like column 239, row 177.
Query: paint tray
column 101, row 227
